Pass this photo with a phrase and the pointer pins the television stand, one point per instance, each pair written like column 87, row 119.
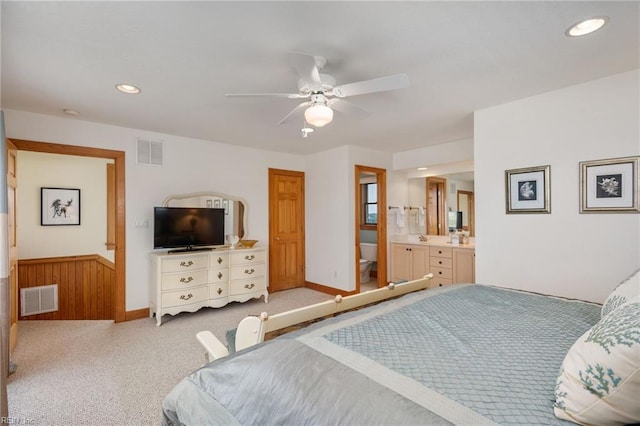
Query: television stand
column 191, row 249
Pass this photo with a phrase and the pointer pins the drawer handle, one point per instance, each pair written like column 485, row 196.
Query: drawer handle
column 440, row 272
column 439, row 262
column 250, row 257
column 219, row 260
column 186, row 264
column 219, row 291
column 439, row 251
column 219, row 275
column 440, row 285
column 186, row 297
column 249, row 271
column 186, row 280
column 249, row 286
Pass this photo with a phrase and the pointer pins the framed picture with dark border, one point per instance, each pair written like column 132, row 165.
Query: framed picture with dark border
column 59, row 206
column 527, row 190
column 609, row 186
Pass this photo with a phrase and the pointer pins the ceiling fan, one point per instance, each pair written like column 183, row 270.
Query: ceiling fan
column 321, row 93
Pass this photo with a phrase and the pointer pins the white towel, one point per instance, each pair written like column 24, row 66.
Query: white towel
column 421, row 216
column 400, row 217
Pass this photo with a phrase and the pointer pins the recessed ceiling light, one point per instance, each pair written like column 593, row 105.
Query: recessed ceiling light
column 586, row 27
column 128, row 88
column 422, row 168
column 71, row 112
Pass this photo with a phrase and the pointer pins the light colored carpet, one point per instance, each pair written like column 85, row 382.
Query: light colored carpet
column 101, row 373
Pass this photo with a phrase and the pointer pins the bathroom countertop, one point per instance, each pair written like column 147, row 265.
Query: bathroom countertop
column 432, row 240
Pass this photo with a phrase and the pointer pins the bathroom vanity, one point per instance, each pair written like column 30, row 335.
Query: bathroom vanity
column 449, row 263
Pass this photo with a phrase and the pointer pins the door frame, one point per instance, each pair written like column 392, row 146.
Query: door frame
column 381, row 227
column 118, row 157
column 440, row 213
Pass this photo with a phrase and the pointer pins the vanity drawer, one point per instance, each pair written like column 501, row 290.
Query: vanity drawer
column 247, row 271
column 442, row 273
column 243, row 257
column 247, row 286
column 217, row 291
column 185, row 297
column 185, row 263
column 441, row 262
column 440, row 252
column 439, row 282
column 183, row 279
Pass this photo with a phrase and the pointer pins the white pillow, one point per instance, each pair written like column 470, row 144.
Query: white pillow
column 599, row 383
column 625, row 291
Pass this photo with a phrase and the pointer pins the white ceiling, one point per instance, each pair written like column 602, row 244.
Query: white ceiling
column 459, row 57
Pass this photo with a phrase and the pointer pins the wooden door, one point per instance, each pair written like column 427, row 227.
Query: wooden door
column 436, row 211
column 12, row 184
column 286, row 230
column 466, row 206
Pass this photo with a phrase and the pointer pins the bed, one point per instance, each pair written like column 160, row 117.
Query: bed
column 461, row 354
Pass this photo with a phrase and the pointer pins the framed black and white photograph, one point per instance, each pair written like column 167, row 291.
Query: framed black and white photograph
column 59, row 206
column 216, row 203
column 527, row 190
column 609, row 186
column 225, row 206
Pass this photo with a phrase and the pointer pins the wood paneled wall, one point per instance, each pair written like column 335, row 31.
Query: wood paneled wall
column 85, row 285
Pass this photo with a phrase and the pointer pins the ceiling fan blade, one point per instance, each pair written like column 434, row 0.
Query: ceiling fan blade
column 307, row 68
column 294, row 111
column 273, row 95
column 347, row 107
column 392, row 82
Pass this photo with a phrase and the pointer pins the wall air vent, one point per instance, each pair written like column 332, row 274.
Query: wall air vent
column 149, row 152
column 38, row 300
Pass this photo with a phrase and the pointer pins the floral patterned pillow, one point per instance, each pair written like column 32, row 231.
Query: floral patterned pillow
column 599, row 382
column 625, row 291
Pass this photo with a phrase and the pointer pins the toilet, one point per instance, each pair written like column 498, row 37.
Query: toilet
column 368, row 255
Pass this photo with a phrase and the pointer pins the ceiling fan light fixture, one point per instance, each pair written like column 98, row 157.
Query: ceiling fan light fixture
column 318, row 115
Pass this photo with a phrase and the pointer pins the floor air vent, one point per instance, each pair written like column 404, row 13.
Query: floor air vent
column 38, row 300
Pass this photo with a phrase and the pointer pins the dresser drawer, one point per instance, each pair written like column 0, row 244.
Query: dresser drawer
column 247, row 271
column 242, row 257
column 218, row 276
column 189, row 263
column 247, row 286
column 441, row 262
column 440, row 252
column 183, row 279
column 185, row 297
column 217, row 291
column 219, row 260
column 442, row 273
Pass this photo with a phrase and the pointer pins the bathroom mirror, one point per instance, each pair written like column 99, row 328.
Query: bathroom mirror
column 235, row 208
column 459, row 197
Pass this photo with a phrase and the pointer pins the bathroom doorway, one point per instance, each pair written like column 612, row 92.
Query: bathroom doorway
column 371, row 223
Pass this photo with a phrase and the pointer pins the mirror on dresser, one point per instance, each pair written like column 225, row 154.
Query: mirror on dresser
column 452, row 192
column 235, row 208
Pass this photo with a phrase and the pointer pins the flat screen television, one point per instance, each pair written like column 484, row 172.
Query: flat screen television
column 187, row 228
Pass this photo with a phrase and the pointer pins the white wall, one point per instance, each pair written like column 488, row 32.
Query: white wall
column 190, row 166
column 330, row 213
column 36, row 170
column 563, row 253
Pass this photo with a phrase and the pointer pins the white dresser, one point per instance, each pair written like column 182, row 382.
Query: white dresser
column 186, row 282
